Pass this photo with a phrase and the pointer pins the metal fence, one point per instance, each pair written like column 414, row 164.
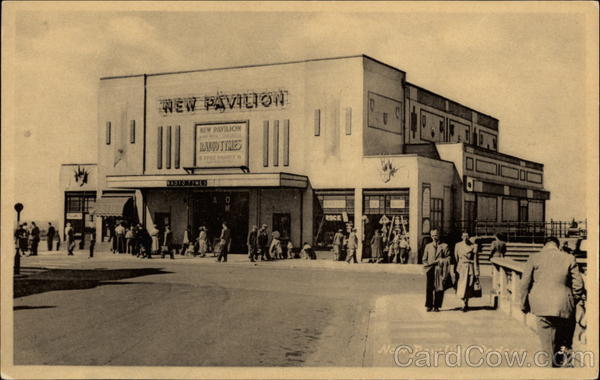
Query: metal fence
column 533, row 232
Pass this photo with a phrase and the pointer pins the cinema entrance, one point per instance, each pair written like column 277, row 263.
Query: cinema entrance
column 212, row 208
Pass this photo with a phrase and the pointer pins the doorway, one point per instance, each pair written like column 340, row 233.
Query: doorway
column 211, row 208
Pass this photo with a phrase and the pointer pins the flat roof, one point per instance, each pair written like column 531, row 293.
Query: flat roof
column 254, row 65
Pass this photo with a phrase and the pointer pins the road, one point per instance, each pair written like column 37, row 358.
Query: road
column 113, row 311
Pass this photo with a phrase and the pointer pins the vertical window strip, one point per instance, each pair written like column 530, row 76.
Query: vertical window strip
column 348, row 121
column 318, row 122
column 177, row 145
column 132, row 132
column 168, row 146
column 108, row 132
column 266, row 143
column 276, row 143
column 286, row 143
column 159, row 145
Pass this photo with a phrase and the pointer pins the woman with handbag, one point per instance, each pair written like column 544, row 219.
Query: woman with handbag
column 467, row 268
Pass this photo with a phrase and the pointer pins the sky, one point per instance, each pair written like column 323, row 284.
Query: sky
column 525, row 65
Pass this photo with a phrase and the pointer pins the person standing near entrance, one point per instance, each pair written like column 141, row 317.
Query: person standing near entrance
column 120, row 235
column 352, row 246
column 186, row 239
column 224, row 242
column 21, row 239
column 377, row 247
column 70, row 239
column 263, row 243
column 252, row 244
column 50, row 236
column 550, row 288
column 35, row 239
column 154, row 234
column 338, row 241
column 202, row 242
column 92, row 241
column 168, row 243
column 433, row 254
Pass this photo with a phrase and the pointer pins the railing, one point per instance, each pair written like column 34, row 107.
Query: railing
column 506, row 278
column 532, row 232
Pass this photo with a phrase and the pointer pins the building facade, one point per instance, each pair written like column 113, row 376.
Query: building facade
column 305, row 147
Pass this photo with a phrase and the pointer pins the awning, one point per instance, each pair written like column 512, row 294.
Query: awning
column 110, row 206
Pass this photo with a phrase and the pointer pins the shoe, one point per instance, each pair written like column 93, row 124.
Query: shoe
column 435, row 309
column 429, row 309
column 464, row 309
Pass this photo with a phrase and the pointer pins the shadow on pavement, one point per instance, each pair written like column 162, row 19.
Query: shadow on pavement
column 70, row 279
column 24, row 307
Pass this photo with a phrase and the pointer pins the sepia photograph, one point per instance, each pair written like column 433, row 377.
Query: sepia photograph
column 295, row 190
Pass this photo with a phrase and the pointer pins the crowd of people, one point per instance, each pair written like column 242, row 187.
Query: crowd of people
column 27, row 239
column 385, row 246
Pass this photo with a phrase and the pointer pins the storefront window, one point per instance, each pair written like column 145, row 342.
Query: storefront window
column 78, row 207
column 332, row 211
column 437, row 214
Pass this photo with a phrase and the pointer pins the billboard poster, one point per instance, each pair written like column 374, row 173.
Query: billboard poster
column 220, row 145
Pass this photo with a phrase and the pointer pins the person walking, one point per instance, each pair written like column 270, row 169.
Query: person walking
column 433, row 254
column 70, row 239
column 168, row 243
column 498, row 247
column 467, row 267
column 338, row 241
column 35, row 238
column 224, row 242
column 551, row 285
column 186, row 239
column 352, row 246
column 202, row 242
column 263, row 243
column 92, row 241
column 252, row 244
column 155, row 235
column 50, row 235
column 377, row 246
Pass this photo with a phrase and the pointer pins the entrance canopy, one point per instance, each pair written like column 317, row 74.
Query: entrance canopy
column 209, row 180
column 113, row 206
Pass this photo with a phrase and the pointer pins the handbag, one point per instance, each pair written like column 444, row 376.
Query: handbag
column 476, row 288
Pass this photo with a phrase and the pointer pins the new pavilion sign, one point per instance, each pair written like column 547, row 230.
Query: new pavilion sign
column 221, row 144
column 222, row 102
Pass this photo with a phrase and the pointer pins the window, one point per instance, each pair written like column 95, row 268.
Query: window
column 317, row 122
column 398, row 113
column 132, row 132
column 480, row 138
column 159, row 146
column 348, row 121
column 286, row 142
column 276, row 143
column 371, row 104
column 451, row 129
column 108, row 128
column 385, row 118
column 441, row 127
column 494, row 143
column 437, row 214
column 168, row 146
column 423, row 121
column 467, row 135
column 265, row 143
column 177, row 145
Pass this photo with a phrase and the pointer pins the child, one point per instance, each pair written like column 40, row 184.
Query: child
column 290, row 250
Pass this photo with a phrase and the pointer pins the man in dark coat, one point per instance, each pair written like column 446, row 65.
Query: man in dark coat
column 35, row 239
column 225, row 241
column 50, row 235
column 262, row 241
column 168, row 243
column 432, row 256
column 550, row 287
column 253, row 244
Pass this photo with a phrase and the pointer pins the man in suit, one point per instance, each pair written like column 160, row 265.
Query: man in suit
column 432, row 254
column 35, row 239
column 167, row 243
column 224, row 242
column 262, row 241
column 252, row 244
column 550, row 287
column 50, row 235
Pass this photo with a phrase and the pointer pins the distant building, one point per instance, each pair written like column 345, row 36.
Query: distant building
column 302, row 147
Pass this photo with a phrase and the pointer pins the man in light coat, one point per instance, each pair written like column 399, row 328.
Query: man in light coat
column 550, row 287
column 432, row 255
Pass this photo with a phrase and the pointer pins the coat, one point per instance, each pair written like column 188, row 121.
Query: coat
column 432, row 254
column 467, row 268
column 551, row 283
column 202, row 242
column 377, row 246
column 498, row 248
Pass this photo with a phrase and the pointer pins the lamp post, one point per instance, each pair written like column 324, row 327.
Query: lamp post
column 17, row 269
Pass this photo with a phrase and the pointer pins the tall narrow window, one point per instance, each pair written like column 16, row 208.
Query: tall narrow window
column 108, row 127
column 276, row 143
column 348, row 121
column 177, row 145
column 317, row 122
column 266, row 143
column 286, row 143
column 168, row 150
column 132, row 132
column 159, row 146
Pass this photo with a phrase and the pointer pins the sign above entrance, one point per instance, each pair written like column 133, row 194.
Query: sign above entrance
column 186, row 182
column 219, row 145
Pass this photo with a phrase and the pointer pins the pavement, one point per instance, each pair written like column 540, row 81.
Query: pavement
column 121, row 310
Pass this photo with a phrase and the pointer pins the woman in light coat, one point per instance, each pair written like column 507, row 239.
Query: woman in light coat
column 154, row 233
column 377, row 246
column 202, row 242
column 467, row 268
